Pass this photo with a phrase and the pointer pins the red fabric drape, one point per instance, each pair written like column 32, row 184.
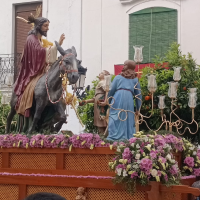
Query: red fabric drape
column 32, row 63
column 118, row 68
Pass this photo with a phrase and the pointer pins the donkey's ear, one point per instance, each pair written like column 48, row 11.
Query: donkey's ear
column 74, row 51
column 60, row 49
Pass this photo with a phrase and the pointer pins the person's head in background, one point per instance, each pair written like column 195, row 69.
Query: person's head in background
column 44, row 196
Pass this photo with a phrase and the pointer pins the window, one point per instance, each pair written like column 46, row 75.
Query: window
column 153, row 28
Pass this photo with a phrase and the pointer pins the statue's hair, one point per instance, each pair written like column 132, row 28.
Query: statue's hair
column 31, row 19
column 38, row 22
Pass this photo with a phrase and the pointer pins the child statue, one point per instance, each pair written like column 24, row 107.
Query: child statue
column 100, row 111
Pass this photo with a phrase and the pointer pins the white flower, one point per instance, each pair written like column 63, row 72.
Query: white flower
column 173, row 161
column 121, row 145
column 119, row 171
column 137, row 156
column 191, row 148
column 168, row 157
column 132, row 152
column 132, row 144
column 154, row 172
column 167, row 146
column 138, row 161
column 125, row 173
column 146, row 139
column 138, row 151
column 149, row 145
column 135, row 166
column 194, row 153
column 137, row 146
column 118, row 149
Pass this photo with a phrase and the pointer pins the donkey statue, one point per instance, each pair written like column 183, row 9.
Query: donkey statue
column 48, row 90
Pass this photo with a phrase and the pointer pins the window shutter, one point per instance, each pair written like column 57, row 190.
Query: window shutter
column 164, row 31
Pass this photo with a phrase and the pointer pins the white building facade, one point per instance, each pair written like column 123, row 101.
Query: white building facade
column 100, row 29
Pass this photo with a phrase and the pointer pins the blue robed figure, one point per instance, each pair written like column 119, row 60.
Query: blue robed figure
column 123, row 89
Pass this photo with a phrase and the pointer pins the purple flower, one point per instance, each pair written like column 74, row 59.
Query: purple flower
column 159, row 173
column 132, row 140
column 134, row 175
column 153, row 154
column 159, row 141
column 163, row 160
column 189, row 161
column 197, row 172
column 127, row 153
column 174, row 170
column 121, row 166
column 198, row 153
column 146, row 165
column 166, row 177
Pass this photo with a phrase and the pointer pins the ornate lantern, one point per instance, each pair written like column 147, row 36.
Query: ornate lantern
column 172, row 92
column 5, row 99
column 192, row 90
column 161, row 103
column 177, row 73
column 152, row 85
column 192, row 100
column 138, row 56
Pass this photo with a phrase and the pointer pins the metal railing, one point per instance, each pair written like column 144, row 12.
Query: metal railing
column 9, row 68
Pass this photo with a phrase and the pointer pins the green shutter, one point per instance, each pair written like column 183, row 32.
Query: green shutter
column 164, row 31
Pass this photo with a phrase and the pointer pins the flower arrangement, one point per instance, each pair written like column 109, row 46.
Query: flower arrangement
column 147, row 158
column 84, row 140
column 191, row 159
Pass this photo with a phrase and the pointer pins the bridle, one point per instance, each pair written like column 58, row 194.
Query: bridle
column 61, row 66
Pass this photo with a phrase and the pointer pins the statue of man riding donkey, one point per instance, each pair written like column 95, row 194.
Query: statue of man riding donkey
column 37, row 93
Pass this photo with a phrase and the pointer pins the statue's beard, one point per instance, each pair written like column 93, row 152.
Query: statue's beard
column 44, row 33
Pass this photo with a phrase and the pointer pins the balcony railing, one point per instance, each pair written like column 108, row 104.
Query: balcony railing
column 9, row 67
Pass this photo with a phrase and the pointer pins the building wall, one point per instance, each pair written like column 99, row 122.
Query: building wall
column 99, row 30
column 64, row 16
column 105, row 30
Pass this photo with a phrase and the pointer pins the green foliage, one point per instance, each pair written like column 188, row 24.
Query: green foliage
column 4, row 111
column 87, row 112
column 190, row 77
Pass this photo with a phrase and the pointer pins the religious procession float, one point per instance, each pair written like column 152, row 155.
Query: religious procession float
column 141, row 127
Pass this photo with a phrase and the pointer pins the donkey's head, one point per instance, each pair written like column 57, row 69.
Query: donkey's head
column 69, row 63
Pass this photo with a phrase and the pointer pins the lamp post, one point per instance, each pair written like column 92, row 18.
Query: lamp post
column 80, row 82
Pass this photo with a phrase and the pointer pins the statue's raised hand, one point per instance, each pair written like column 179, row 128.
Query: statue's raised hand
column 62, row 37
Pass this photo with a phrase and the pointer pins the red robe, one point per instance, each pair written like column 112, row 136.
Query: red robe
column 32, row 63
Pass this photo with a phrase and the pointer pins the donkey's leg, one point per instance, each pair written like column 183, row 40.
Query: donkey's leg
column 61, row 110
column 9, row 119
column 40, row 105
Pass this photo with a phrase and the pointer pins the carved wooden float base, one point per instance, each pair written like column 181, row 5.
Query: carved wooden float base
column 78, row 162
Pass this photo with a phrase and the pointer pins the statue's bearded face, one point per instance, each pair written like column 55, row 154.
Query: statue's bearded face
column 44, row 29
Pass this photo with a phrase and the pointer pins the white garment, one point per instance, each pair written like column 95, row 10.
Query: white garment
column 53, row 54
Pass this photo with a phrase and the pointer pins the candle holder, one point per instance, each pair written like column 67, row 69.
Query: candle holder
column 138, row 55
column 152, row 85
column 177, row 73
column 172, row 93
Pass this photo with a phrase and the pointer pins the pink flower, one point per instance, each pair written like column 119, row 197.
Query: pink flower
column 189, row 161
column 153, row 154
column 132, row 140
column 134, row 175
column 146, row 165
column 127, row 153
column 197, row 172
column 163, row 160
column 166, row 177
column 174, row 170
